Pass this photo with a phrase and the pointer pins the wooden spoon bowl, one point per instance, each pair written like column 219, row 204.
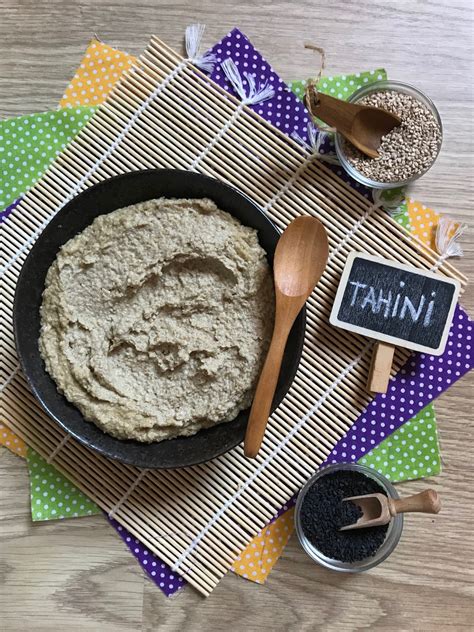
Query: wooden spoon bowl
column 300, row 259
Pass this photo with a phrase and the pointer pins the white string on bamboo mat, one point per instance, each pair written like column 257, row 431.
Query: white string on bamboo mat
column 216, row 138
column 58, row 448
column 9, row 378
column 252, row 97
column 378, row 202
column 316, row 140
column 193, row 38
column 313, row 149
column 288, row 184
column 127, row 493
column 274, row 452
column 448, row 233
column 312, row 154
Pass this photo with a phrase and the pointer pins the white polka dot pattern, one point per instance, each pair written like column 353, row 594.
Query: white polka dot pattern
column 53, row 497
column 99, row 71
column 29, row 143
column 419, row 382
column 409, row 453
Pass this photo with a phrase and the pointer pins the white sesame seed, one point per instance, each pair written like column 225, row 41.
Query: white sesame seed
column 408, row 149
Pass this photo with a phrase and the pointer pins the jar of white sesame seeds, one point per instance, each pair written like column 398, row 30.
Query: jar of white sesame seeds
column 405, row 153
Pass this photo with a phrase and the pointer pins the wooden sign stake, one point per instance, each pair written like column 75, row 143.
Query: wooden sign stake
column 380, row 368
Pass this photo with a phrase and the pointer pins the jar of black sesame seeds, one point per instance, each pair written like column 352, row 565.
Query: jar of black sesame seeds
column 409, row 150
column 318, row 519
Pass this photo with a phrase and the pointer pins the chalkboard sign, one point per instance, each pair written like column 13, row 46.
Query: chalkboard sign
column 395, row 303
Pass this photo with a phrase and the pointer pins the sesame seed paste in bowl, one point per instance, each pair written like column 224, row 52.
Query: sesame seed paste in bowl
column 156, row 318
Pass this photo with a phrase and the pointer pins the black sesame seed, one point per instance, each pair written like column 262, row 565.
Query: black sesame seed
column 323, row 513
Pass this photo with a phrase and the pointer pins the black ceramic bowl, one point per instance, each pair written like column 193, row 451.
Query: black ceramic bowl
column 103, row 198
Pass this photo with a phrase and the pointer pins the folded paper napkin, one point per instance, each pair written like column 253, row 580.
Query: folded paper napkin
column 96, row 74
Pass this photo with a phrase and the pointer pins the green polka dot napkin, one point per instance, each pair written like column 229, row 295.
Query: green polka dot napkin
column 401, row 214
column 53, row 497
column 29, row 143
column 341, row 86
column 409, row 453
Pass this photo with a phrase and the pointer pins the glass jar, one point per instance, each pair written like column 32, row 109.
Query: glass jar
column 379, row 86
column 392, row 536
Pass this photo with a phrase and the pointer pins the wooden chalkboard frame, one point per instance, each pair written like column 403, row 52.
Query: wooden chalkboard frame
column 370, row 333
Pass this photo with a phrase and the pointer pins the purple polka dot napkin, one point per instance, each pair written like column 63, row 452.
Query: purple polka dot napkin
column 285, row 111
column 418, row 383
column 159, row 572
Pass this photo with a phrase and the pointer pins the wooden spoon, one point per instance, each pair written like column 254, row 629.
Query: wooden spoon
column 362, row 125
column 300, row 259
column 378, row 509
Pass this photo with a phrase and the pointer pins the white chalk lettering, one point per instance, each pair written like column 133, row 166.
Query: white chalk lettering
column 384, row 301
column 380, row 301
column 357, row 286
column 429, row 312
column 370, row 298
column 408, row 305
column 397, row 300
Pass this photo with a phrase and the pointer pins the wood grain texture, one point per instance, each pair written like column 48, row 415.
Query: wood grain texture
column 77, row 574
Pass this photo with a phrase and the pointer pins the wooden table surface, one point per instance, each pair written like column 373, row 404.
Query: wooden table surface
column 77, row 574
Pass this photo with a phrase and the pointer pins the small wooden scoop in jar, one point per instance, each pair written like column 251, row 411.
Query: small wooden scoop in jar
column 362, row 125
column 378, row 509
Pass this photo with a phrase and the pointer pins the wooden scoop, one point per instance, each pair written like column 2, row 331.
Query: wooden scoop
column 379, row 509
column 362, row 125
column 300, row 259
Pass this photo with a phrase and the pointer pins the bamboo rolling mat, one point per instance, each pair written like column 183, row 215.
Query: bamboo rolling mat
column 166, row 113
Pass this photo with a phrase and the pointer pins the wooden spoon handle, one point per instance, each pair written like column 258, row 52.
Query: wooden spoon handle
column 424, row 502
column 264, row 393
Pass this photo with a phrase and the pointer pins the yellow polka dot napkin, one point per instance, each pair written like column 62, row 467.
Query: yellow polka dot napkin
column 11, row 441
column 262, row 553
column 97, row 74
column 423, row 222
